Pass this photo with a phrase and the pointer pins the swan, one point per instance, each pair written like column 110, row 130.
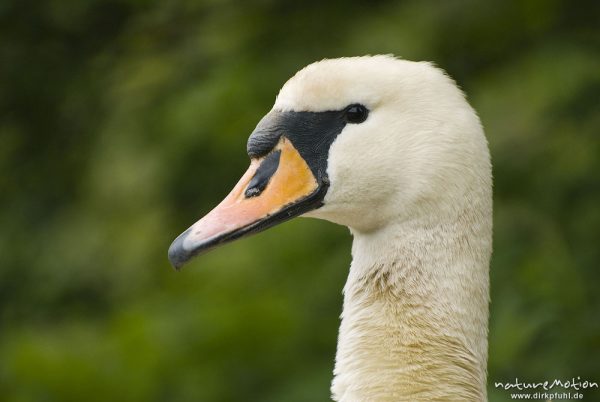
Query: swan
column 391, row 149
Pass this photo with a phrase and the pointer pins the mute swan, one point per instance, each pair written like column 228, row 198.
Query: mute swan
column 391, row 149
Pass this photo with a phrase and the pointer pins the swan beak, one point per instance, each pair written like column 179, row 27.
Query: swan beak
column 275, row 188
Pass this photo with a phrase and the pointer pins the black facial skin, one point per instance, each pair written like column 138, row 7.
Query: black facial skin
column 312, row 134
column 263, row 174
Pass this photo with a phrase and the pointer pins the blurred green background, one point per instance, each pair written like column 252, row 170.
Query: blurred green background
column 122, row 121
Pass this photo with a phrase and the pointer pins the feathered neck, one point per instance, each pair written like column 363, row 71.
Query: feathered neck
column 415, row 319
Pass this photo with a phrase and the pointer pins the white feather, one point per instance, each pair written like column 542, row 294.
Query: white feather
column 413, row 184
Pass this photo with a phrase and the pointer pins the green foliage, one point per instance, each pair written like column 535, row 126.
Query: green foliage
column 124, row 120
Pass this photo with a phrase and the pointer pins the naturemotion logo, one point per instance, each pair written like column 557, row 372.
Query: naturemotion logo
column 571, row 388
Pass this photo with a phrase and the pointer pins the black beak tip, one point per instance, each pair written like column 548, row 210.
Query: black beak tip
column 178, row 255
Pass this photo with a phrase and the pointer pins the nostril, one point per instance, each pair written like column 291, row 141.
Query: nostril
column 253, row 191
column 263, row 174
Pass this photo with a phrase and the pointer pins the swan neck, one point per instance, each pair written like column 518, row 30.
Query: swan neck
column 415, row 319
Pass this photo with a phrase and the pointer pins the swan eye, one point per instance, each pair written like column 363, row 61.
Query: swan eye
column 356, row 114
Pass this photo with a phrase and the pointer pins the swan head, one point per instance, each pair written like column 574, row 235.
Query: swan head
column 359, row 141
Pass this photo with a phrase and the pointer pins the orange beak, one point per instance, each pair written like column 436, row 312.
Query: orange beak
column 275, row 188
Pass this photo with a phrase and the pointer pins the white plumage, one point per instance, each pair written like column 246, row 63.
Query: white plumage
column 391, row 149
column 413, row 184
